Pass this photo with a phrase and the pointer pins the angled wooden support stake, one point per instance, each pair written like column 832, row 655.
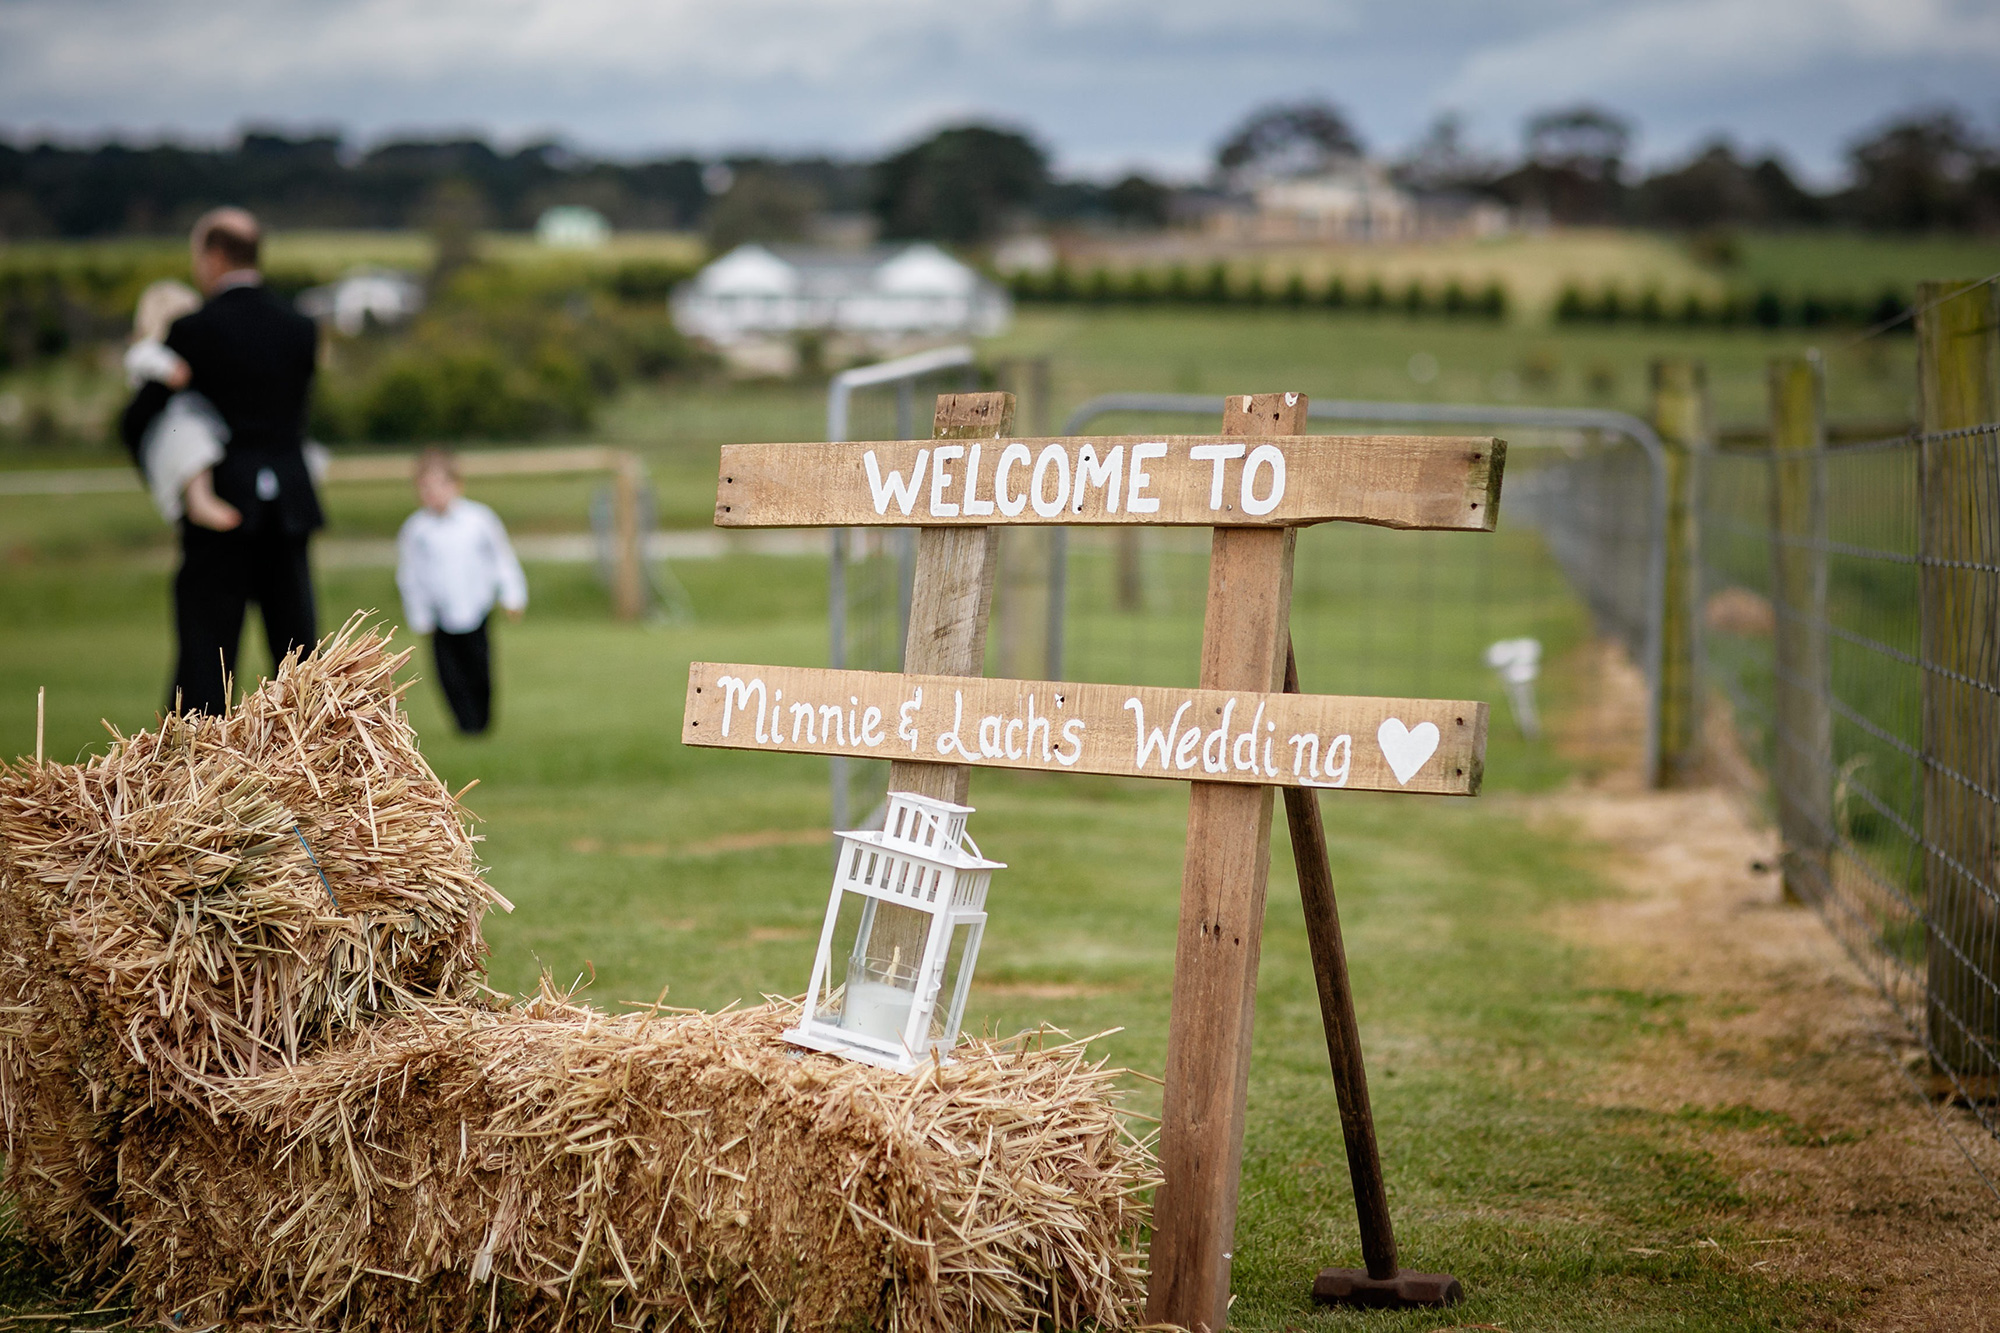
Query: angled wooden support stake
column 1336, row 1007
column 1244, row 637
column 1382, row 1283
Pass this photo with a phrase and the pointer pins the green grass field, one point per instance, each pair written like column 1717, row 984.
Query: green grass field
column 637, row 864
column 1845, row 261
column 622, row 853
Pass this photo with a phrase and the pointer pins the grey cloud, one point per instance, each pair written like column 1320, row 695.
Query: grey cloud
column 1105, row 82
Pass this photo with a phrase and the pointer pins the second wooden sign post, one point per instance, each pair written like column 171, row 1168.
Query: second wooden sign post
column 1243, row 732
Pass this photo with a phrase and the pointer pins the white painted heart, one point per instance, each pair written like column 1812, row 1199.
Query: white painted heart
column 1407, row 748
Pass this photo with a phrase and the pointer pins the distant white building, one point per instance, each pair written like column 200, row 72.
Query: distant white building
column 1353, row 200
column 571, row 227
column 1027, row 253
column 880, row 295
column 1357, row 202
column 383, row 295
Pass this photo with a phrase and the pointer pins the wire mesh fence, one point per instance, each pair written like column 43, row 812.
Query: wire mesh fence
column 1597, row 500
column 1850, row 599
column 1577, row 556
column 870, row 570
column 1374, row 612
column 1836, row 605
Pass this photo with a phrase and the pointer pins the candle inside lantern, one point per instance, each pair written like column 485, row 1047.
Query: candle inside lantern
column 876, row 1009
column 877, row 1000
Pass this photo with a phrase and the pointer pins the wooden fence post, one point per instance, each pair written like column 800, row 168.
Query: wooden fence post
column 1681, row 416
column 1804, row 675
column 628, row 578
column 1958, row 360
column 1244, row 639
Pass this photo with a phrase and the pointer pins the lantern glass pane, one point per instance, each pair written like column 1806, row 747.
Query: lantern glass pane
column 877, row 958
column 851, row 913
column 943, row 1020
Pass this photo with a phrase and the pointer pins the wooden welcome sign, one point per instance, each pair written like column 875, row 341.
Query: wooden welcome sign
column 1200, row 481
column 1243, row 733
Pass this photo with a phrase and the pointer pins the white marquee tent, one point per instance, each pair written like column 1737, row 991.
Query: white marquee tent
column 757, row 291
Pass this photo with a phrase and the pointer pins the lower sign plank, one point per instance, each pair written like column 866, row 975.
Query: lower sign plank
column 1432, row 746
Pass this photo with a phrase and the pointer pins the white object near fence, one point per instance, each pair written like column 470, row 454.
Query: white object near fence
column 1519, row 661
column 912, row 897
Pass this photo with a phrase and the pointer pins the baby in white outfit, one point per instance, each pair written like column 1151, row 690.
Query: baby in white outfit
column 187, row 438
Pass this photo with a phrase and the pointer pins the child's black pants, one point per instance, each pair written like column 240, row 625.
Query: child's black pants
column 465, row 671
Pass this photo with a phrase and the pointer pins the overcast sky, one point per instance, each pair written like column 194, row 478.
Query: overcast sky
column 1105, row 84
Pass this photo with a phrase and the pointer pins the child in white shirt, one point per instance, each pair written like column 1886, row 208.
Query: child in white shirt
column 453, row 561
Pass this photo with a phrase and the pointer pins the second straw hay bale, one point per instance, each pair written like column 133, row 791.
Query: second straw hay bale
column 210, row 899
column 552, row 1167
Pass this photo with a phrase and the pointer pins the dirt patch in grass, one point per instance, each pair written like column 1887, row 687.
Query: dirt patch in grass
column 1781, row 1060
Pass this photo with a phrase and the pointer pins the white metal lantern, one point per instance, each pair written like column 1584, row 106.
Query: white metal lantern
column 908, row 904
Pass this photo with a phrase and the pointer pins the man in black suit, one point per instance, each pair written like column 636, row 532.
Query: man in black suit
column 249, row 519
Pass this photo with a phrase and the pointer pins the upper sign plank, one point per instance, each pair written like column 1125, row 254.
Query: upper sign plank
column 1399, row 481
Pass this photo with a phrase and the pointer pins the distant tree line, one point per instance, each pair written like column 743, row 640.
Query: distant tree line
column 1925, row 171
column 318, row 181
column 1930, row 170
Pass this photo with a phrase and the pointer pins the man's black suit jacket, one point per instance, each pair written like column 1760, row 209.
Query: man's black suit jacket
column 252, row 356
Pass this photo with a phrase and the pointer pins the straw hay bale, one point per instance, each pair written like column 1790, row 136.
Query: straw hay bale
column 164, row 927
column 553, row 1167
column 281, row 1101
column 62, row 1136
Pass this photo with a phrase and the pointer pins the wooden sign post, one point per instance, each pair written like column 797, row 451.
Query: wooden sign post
column 1242, row 732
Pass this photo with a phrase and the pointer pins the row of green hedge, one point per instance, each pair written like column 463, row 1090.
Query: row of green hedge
column 1766, row 308
column 1217, row 286
column 500, row 354
column 49, row 308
